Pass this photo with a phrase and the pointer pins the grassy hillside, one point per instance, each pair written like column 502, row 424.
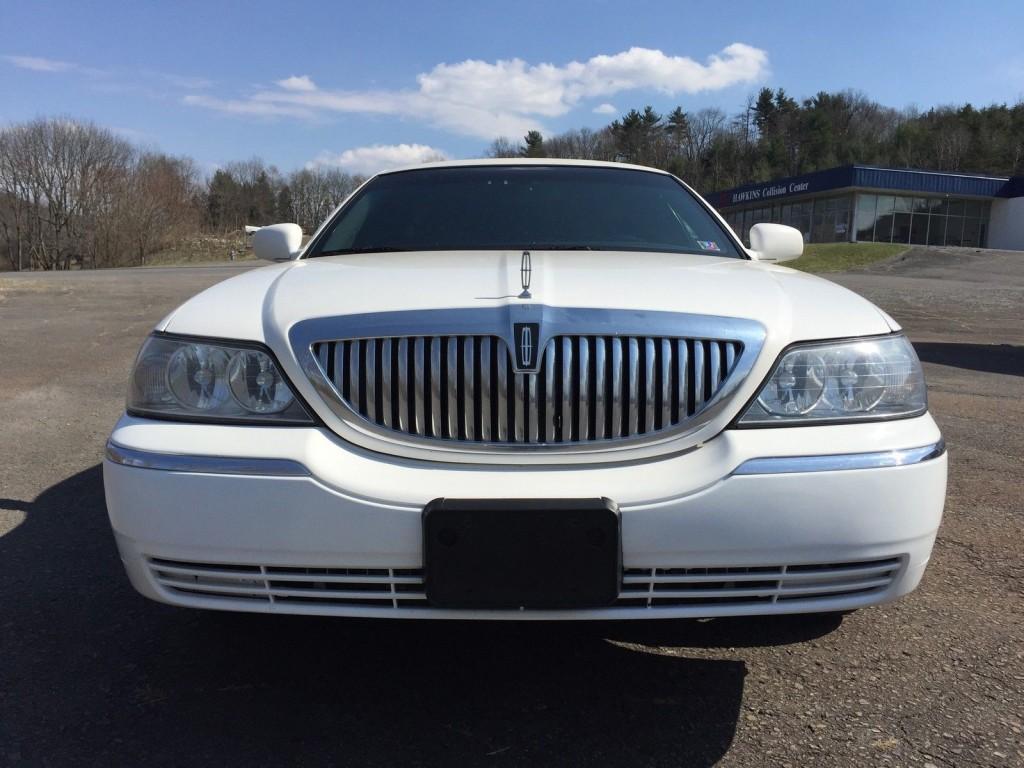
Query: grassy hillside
column 838, row 257
column 202, row 248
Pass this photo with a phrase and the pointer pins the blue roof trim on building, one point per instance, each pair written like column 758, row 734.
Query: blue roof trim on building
column 925, row 182
column 1014, row 187
column 929, row 182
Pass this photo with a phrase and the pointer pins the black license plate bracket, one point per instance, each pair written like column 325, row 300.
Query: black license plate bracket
column 522, row 553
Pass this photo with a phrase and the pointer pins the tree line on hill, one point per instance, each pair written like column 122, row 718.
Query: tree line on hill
column 75, row 194
column 775, row 136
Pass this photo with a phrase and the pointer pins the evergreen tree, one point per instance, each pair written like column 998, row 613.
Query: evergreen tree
column 534, row 144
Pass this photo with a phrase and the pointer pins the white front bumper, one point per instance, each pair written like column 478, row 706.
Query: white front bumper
column 697, row 539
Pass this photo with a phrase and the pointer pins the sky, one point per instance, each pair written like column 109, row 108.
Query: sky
column 368, row 85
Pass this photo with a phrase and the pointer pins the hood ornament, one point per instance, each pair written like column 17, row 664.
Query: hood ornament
column 525, row 270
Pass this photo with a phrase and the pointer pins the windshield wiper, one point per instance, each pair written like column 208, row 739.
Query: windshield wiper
column 532, row 246
column 550, row 247
column 374, row 249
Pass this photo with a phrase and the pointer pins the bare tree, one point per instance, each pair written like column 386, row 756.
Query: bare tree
column 315, row 192
column 504, row 147
column 15, row 197
column 161, row 190
column 582, row 144
column 57, row 176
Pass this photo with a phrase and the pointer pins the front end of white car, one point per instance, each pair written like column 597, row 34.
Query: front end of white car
column 485, row 440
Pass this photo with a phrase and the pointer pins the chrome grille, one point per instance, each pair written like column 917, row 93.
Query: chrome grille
column 587, row 388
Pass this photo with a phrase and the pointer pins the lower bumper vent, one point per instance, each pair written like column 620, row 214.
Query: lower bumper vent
column 651, row 587
column 402, row 588
column 381, row 587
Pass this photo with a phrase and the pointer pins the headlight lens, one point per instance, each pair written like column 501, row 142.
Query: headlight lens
column 200, row 380
column 859, row 379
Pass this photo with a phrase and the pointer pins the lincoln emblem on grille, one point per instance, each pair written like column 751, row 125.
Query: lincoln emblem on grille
column 526, row 336
column 525, row 268
column 526, row 345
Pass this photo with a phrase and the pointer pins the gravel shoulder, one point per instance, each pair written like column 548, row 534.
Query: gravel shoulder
column 92, row 674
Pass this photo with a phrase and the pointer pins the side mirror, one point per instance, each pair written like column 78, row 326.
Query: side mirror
column 776, row 242
column 278, row 242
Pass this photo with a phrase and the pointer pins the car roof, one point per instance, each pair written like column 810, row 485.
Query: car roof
column 521, row 161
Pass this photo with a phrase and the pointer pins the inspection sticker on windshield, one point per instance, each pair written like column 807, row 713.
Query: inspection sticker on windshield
column 708, row 245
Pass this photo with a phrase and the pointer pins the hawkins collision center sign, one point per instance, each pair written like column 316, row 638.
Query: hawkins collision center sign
column 820, row 181
column 764, row 193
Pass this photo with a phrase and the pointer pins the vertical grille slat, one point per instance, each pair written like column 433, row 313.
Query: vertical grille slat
column 715, row 364
column 683, row 376
column 469, row 386
column 322, row 353
column 419, row 395
column 566, row 409
column 518, row 413
column 586, row 389
column 532, row 410
column 403, row 385
column 501, row 386
column 550, row 423
column 600, row 380
column 698, row 374
column 354, row 374
column 436, row 392
column 618, row 411
column 385, row 366
column 583, row 396
column 486, row 359
column 369, row 377
column 649, row 401
column 633, row 376
column 451, row 376
column 665, row 418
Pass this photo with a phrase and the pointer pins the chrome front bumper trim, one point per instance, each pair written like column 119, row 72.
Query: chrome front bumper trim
column 213, row 465
column 780, row 465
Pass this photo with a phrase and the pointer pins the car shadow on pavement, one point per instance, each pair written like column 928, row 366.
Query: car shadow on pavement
column 990, row 358
column 92, row 673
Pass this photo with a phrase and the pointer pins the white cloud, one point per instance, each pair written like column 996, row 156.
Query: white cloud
column 509, row 97
column 187, row 82
column 605, row 109
column 379, row 157
column 246, row 106
column 39, row 64
column 297, row 83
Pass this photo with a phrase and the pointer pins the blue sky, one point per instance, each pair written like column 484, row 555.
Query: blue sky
column 363, row 85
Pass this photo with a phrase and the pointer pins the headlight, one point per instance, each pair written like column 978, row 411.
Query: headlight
column 197, row 380
column 855, row 380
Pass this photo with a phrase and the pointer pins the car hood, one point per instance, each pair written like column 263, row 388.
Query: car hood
column 263, row 304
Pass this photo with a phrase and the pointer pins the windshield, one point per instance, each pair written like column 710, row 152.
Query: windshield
column 508, row 207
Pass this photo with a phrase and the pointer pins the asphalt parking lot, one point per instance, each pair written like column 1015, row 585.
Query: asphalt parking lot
column 92, row 674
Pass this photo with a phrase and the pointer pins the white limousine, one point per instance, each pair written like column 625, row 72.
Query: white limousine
column 526, row 390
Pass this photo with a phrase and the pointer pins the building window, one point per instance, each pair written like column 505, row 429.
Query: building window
column 874, row 218
column 831, row 220
column 972, row 233
column 865, row 222
column 920, row 220
column 955, row 230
